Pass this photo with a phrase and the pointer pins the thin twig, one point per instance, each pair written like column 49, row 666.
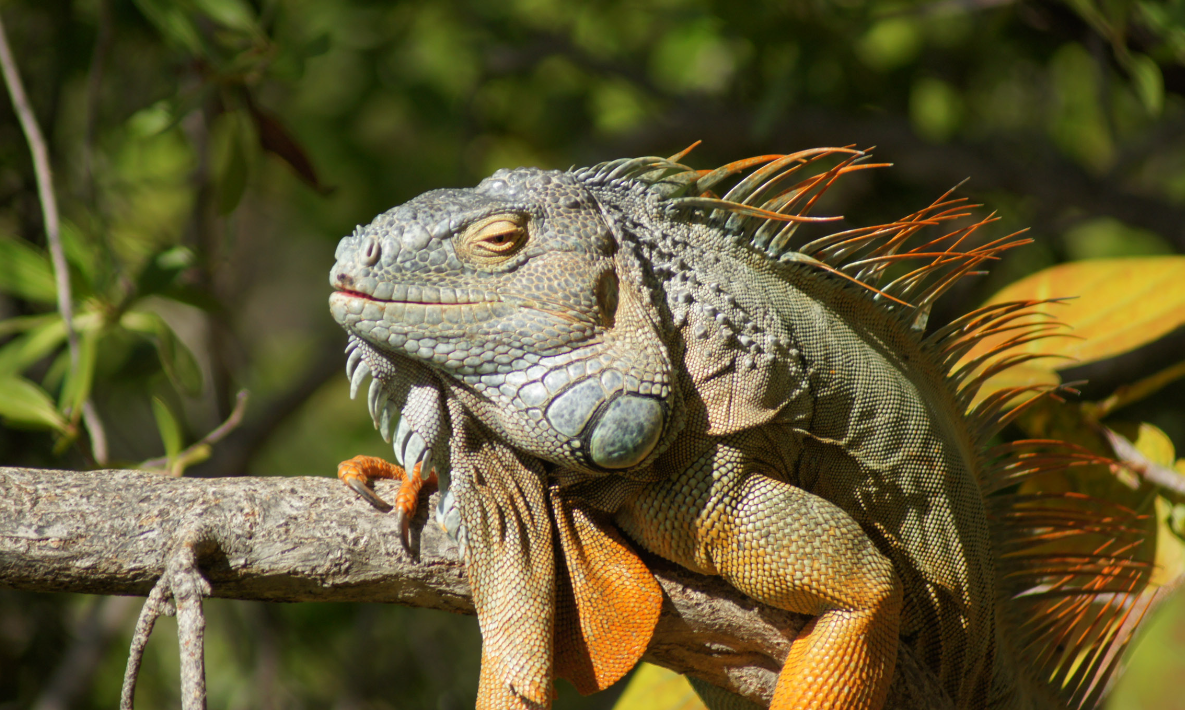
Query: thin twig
column 200, row 450
column 53, row 233
column 1136, row 461
column 1135, row 391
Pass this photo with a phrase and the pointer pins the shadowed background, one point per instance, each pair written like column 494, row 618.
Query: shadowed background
column 208, row 155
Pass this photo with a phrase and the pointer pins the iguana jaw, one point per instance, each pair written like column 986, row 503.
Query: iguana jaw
column 487, row 334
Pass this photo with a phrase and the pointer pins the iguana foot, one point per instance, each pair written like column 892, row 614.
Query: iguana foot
column 360, row 472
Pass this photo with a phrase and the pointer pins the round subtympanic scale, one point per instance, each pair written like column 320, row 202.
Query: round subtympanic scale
column 626, row 433
column 570, row 411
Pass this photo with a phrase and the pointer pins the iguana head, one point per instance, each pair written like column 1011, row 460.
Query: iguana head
column 513, row 294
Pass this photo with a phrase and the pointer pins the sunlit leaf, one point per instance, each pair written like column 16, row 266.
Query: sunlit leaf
column 1151, row 441
column 1029, row 374
column 19, row 353
column 1148, row 82
column 1117, row 305
column 25, row 272
column 20, row 324
column 656, row 688
column 24, row 403
column 170, row 430
column 235, row 14
column 1170, row 548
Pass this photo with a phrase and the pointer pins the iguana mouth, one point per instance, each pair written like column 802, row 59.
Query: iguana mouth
column 554, row 309
column 444, row 297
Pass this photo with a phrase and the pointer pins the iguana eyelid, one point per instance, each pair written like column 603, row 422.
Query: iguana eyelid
column 495, row 237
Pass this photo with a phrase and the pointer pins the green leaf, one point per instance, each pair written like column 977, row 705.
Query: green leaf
column 170, row 430
column 317, row 46
column 25, row 272
column 21, row 352
column 80, row 379
column 174, row 24
column 179, row 363
column 234, row 14
column 1147, row 81
column 935, row 109
column 20, row 324
column 82, row 257
column 176, row 359
column 890, row 43
column 23, row 402
column 161, row 270
column 231, row 139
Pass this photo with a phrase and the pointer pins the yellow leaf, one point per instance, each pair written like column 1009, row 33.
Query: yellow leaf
column 1118, row 305
column 1170, row 550
column 1155, row 444
column 1023, row 375
column 656, row 688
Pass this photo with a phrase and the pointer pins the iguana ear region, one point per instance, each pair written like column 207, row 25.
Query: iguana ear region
column 607, row 602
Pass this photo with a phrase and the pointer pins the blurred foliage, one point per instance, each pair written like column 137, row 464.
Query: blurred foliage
column 209, row 154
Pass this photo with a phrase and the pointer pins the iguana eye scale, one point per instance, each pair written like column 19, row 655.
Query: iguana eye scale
column 493, row 239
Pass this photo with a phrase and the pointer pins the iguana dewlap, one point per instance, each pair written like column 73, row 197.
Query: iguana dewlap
column 615, row 357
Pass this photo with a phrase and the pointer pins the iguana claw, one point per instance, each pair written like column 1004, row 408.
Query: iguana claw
column 362, row 489
column 360, row 472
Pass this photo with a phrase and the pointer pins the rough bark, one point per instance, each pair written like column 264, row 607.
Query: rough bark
column 305, row 539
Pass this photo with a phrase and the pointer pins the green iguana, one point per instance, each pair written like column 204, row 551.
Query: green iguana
column 616, row 357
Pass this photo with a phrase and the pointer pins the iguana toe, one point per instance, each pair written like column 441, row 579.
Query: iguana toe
column 360, row 472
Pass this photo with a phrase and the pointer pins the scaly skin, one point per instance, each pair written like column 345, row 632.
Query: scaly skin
column 615, row 344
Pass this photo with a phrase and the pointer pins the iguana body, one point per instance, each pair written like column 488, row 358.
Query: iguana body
column 615, row 348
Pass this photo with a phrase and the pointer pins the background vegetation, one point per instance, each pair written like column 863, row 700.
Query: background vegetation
column 208, row 155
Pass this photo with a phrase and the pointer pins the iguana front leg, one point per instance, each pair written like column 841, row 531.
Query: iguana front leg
column 510, row 563
column 790, row 549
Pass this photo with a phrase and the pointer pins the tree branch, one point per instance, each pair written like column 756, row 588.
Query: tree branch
column 309, row 539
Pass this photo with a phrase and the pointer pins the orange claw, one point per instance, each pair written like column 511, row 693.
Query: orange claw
column 360, row 472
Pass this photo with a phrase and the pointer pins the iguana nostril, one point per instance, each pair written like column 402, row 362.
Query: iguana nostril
column 369, row 252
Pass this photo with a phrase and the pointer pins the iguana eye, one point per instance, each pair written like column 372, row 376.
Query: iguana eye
column 494, row 238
